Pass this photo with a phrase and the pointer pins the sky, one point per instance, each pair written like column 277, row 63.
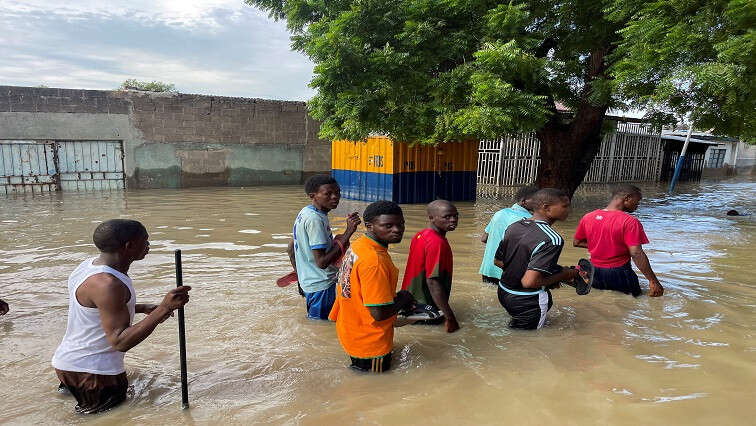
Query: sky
column 213, row 47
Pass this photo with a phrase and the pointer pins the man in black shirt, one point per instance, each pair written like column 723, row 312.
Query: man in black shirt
column 528, row 255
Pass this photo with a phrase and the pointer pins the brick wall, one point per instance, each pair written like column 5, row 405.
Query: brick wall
column 164, row 117
column 214, row 119
column 42, row 99
column 170, row 137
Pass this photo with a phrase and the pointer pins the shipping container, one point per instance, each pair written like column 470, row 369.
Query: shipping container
column 380, row 169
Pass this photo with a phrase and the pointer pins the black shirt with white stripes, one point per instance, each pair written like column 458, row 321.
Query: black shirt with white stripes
column 528, row 244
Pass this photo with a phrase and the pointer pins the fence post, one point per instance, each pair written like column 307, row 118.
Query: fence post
column 500, row 162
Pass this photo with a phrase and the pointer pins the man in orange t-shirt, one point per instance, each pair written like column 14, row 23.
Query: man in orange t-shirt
column 366, row 298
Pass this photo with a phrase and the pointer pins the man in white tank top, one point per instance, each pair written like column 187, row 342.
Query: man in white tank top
column 101, row 308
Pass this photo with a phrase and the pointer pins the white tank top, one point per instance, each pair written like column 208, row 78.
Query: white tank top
column 84, row 347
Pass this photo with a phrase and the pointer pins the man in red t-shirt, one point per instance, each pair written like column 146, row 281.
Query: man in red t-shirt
column 428, row 276
column 613, row 237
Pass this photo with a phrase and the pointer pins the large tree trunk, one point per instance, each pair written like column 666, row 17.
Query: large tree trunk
column 567, row 150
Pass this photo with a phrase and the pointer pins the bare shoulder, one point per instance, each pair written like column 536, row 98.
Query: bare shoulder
column 102, row 287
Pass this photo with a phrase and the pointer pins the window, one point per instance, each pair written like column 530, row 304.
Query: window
column 716, row 159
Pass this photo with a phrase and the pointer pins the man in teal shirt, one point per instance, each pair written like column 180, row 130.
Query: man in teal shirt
column 497, row 226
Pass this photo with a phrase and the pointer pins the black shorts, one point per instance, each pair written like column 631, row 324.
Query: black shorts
column 621, row 278
column 435, row 321
column 372, row 365
column 527, row 312
column 94, row 393
column 490, row 280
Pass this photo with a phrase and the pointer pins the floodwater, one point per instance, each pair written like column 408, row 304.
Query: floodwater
column 606, row 358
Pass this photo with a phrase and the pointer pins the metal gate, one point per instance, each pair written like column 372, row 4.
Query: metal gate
column 46, row 165
column 632, row 153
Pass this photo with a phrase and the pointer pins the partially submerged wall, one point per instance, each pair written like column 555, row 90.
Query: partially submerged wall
column 176, row 140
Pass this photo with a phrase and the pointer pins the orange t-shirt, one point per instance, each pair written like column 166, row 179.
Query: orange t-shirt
column 367, row 277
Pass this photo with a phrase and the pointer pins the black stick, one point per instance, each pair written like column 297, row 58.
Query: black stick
column 182, row 337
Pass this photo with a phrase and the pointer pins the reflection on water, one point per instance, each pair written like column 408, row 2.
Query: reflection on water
column 254, row 357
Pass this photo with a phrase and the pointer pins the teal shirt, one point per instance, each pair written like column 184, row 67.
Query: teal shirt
column 312, row 231
column 495, row 230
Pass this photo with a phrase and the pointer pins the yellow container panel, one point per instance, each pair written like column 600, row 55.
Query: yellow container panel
column 374, row 156
column 419, row 158
column 457, row 157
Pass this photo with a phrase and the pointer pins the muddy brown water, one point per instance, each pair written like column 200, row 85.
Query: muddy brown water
column 606, row 358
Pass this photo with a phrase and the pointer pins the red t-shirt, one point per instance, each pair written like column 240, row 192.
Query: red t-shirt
column 430, row 256
column 610, row 233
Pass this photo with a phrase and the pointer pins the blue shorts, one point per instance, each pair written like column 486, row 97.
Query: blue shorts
column 319, row 303
column 621, row 278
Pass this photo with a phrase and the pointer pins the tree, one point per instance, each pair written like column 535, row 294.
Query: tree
column 433, row 71
column 148, row 86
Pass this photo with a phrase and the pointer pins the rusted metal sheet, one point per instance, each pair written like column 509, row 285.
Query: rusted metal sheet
column 45, row 165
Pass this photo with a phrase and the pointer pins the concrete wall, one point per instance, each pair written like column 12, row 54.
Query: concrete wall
column 176, row 140
column 739, row 159
column 746, row 160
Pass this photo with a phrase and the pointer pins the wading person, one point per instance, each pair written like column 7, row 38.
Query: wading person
column 497, row 226
column 428, row 275
column 528, row 256
column 101, row 308
column 613, row 237
column 314, row 250
column 366, row 298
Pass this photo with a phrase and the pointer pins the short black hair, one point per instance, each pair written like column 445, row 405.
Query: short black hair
column 547, row 196
column 113, row 234
column 379, row 208
column 314, row 182
column 624, row 189
column 525, row 192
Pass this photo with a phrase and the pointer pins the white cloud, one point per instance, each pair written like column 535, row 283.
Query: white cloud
column 213, row 47
column 182, row 13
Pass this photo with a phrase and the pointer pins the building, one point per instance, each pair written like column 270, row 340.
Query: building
column 71, row 140
column 723, row 156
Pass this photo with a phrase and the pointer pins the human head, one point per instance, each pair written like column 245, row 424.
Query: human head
column 324, row 192
column 524, row 196
column 733, row 213
column 627, row 197
column 384, row 221
column 552, row 203
column 443, row 216
column 126, row 237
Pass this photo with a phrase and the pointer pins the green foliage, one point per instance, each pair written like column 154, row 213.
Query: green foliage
column 442, row 70
column 148, row 86
column 690, row 57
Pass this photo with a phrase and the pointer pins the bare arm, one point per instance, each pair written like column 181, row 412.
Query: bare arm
column 580, row 243
column 441, row 299
column 145, row 308
column 110, row 296
column 402, row 300
column 290, row 252
column 535, row 279
column 484, row 237
column 641, row 261
column 323, row 258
